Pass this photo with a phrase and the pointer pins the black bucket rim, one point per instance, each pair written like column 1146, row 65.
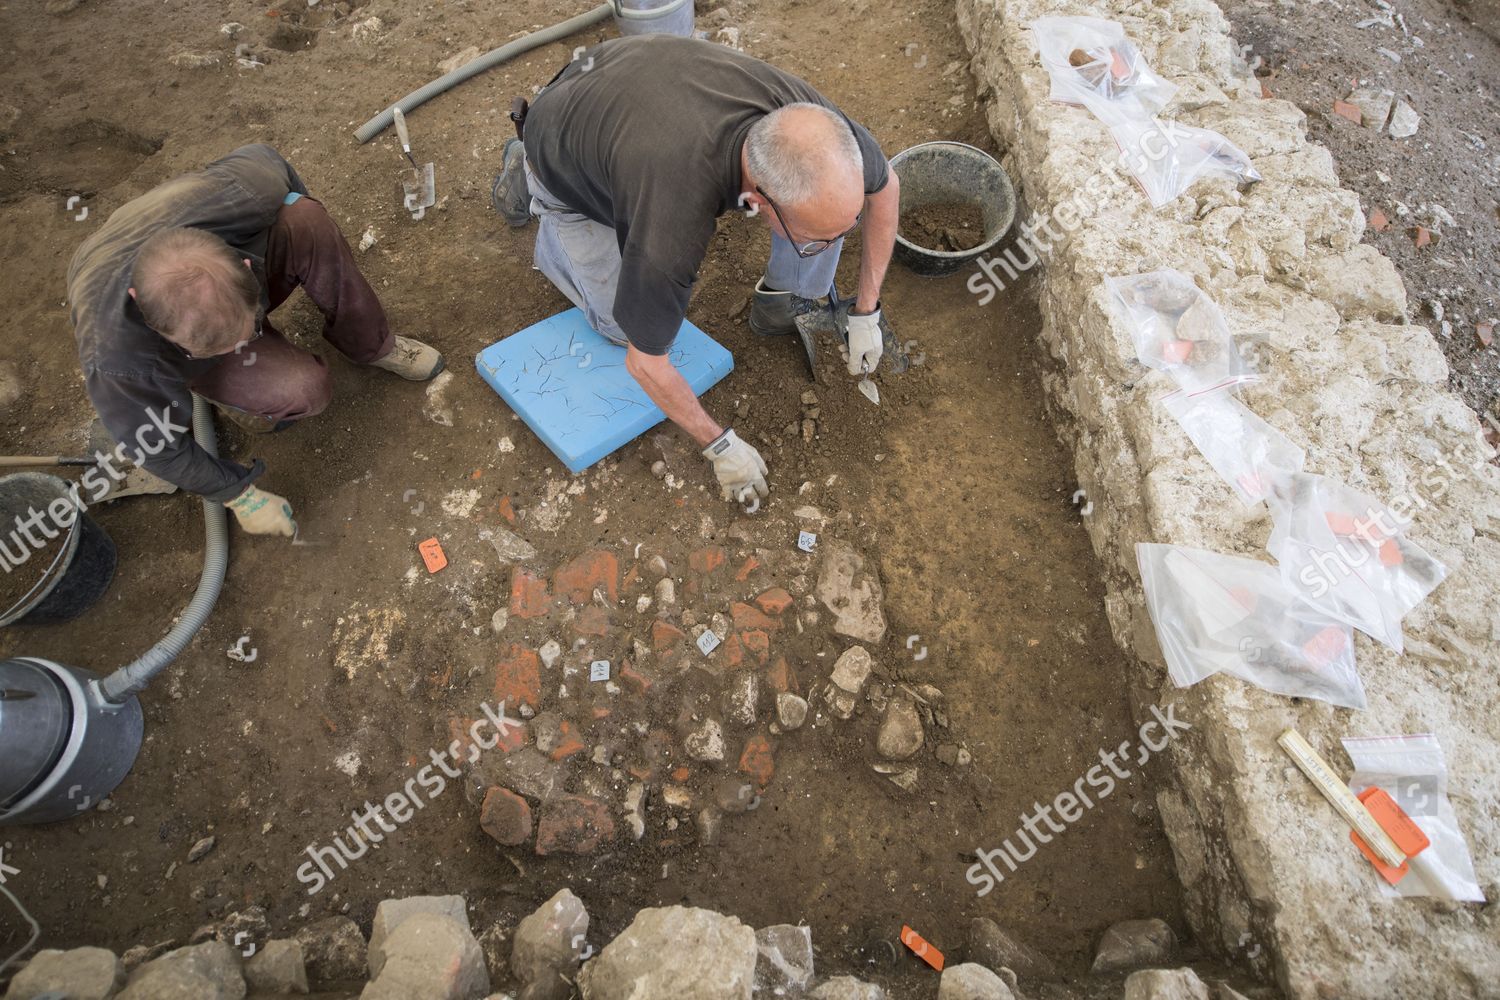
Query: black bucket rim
column 945, row 262
column 54, row 573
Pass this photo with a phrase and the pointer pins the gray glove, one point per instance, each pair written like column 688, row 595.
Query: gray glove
column 865, row 341
column 740, row 469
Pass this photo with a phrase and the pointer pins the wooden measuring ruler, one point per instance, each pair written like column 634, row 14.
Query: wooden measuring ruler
column 1338, row 795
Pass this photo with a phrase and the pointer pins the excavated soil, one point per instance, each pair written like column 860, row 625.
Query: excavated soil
column 949, row 226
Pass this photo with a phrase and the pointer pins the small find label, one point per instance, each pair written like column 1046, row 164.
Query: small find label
column 921, row 948
column 1394, row 821
column 599, row 670
column 708, row 641
column 432, row 555
column 806, row 541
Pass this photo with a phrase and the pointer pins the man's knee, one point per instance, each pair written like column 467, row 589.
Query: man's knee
column 292, row 392
column 310, row 392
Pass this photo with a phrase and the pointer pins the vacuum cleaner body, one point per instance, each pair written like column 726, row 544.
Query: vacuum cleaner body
column 63, row 746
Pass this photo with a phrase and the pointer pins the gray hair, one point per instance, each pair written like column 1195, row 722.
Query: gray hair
column 791, row 169
column 193, row 288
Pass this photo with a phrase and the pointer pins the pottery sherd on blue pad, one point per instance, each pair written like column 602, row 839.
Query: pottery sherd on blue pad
column 570, row 384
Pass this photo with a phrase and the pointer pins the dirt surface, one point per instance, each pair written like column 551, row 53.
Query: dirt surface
column 1445, row 178
column 949, row 225
column 955, row 491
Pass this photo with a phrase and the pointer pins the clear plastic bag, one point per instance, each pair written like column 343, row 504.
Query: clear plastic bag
column 1345, row 553
column 1411, row 770
column 1093, row 64
column 1246, row 451
column 1216, row 613
column 1167, row 158
column 1177, row 329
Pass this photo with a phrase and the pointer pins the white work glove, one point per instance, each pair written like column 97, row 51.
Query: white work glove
column 865, row 342
column 261, row 512
column 741, row 470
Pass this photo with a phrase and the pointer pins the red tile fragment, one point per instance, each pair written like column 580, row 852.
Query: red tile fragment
column 518, row 677
column 1350, row 111
column 595, row 569
column 758, row 761
column 529, row 597
column 774, row 601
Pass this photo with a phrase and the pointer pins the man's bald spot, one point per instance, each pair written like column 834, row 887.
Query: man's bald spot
column 813, row 139
column 193, row 287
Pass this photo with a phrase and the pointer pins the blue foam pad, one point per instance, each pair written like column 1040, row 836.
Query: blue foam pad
column 570, row 384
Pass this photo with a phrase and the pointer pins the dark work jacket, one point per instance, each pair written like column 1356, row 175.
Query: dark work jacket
column 131, row 370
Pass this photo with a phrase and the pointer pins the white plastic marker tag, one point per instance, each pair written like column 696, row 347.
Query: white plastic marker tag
column 806, row 541
column 599, row 670
column 708, row 641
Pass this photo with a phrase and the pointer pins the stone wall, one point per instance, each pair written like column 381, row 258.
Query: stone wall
column 423, row 946
column 1269, row 875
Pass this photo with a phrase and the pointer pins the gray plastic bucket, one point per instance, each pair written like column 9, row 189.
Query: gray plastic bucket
column 74, row 576
column 943, row 172
column 654, row 17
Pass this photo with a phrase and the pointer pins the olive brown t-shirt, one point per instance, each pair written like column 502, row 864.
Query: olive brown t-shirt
column 643, row 134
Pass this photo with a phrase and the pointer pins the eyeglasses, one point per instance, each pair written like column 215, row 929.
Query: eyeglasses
column 813, row 247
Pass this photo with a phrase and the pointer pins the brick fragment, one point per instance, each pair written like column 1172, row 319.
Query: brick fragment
column 529, row 597
column 774, row 601
column 573, row 824
column 758, row 761
column 577, row 580
column 518, row 677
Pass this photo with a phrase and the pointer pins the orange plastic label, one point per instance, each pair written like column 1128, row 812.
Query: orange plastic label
column 921, row 948
column 1177, row 351
column 1340, row 524
column 432, row 555
column 1325, row 647
column 1393, row 820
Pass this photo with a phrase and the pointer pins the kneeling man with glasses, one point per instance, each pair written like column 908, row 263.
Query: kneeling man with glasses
column 630, row 154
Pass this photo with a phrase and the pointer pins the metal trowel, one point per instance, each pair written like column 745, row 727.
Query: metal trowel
column 418, row 185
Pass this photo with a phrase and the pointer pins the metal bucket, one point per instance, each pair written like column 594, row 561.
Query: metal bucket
column 78, row 573
column 942, row 172
column 654, row 17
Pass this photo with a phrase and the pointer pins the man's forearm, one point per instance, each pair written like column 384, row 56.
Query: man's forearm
column 882, row 217
column 670, row 391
